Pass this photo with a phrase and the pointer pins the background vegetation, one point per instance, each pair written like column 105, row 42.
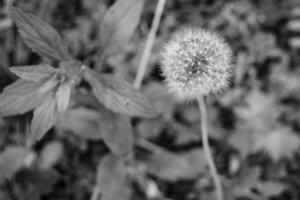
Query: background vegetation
column 254, row 126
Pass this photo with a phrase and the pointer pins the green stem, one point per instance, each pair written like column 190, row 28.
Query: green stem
column 207, row 152
column 149, row 43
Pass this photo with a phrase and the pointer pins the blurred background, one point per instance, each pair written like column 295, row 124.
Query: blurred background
column 254, row 126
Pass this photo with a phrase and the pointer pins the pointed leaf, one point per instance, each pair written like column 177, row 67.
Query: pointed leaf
column 22, row 96
column 117, row 133
column 11, row 160
column 279, row 143
column 112, row 179
column 271, row 188
column 19, row 87
column 83, row 122
column 34, row 72
column 173, row 167
column 72, row 68
column 40, row 36
column 50, row 83
column 50, row 155
column 119, row 96
column 44, row 117
column 119, row 24
column 63, row 95
column 260, row 106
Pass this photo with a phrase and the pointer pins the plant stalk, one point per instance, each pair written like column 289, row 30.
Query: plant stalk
column 207, row 152
column 149, row 43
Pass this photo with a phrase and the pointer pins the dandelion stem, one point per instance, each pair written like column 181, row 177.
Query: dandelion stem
column 149, row 43
column 207, row 152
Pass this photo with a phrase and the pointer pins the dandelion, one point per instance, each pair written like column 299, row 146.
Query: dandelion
column 197, row 63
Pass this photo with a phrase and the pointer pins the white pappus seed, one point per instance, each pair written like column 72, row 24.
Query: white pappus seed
column 196, row 62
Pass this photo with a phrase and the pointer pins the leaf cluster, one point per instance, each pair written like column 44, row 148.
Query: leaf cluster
column 81, row 121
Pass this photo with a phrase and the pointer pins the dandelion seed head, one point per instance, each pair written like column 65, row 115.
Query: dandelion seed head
column 196, row 62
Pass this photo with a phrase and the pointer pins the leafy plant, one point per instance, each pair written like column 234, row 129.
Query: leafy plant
column 73, row 128
column 47, row 90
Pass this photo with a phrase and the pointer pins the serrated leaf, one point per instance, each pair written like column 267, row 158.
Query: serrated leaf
column 259, row 119
column 118, row 133
column 40, row 36
column 118, row 24
column 34, row 73
column 83, row 122
column 112, row 179
column 260, row 106
column 119, row 96
column 173, row 167
column 11, row 160
column 23, row 96
column 43, row 119
column 279, row 143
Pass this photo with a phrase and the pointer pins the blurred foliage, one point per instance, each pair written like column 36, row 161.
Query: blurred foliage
column 254, row 126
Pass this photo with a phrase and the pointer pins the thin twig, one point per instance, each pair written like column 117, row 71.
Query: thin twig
column 151, row 37
column 207, row 152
